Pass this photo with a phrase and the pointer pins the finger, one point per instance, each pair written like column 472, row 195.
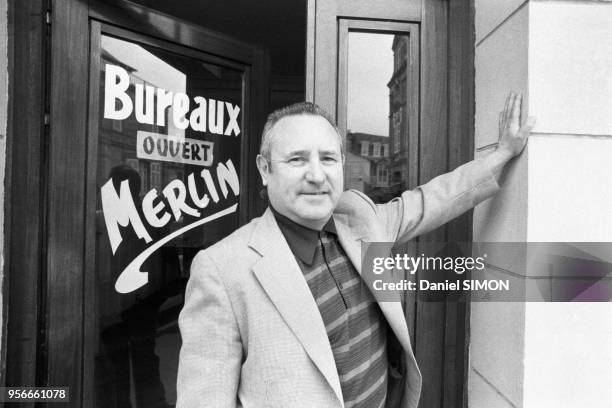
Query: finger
column 530, row 123
column 516, row 109
column 527, row 127
column 511, row 109
column 508, row 99
column 520, row 115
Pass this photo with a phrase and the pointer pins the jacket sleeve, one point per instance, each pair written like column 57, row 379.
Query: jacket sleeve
column 433, row 204
column 211, row 355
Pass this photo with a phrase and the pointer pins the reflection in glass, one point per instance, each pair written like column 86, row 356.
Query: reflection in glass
column 377, row 128
column 151, row 148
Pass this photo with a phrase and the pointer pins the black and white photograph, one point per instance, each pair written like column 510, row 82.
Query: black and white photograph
column 306, row 203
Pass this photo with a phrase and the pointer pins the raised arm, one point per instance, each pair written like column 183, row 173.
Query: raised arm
column 449, row 195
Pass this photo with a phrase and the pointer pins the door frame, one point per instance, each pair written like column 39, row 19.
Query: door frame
column 446, row 115
column 25, row 193
column 47, row 249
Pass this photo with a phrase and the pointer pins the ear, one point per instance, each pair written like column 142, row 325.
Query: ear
column 264, row 168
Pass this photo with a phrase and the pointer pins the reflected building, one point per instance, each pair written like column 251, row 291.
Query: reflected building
column 367, row 164
column 398, row 118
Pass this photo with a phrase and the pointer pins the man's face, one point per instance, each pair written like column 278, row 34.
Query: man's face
column 305, row 176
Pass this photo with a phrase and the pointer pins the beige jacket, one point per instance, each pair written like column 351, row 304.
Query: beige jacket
column 252, row 333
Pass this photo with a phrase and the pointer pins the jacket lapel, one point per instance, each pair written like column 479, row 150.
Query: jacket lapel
column 351, row 238
column 281, row 277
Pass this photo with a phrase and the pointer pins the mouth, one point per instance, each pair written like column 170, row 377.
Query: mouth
column 315, row 193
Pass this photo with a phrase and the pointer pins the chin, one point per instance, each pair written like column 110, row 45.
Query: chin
column 317, row 215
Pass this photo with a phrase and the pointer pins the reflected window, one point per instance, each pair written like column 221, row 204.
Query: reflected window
column 364, row 148
column 376, row 150
column 382, row 175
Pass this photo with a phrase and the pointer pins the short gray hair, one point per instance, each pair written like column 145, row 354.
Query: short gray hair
column 300, row 108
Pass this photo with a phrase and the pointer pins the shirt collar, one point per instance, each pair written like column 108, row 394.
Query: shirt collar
column 302, row 240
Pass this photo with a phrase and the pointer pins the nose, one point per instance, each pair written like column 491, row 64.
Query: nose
column 315, row 173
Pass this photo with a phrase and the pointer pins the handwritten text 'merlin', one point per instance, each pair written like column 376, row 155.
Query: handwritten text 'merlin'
column 120, row 210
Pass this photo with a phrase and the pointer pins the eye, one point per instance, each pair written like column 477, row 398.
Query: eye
column 296, row 161
column 329, row 160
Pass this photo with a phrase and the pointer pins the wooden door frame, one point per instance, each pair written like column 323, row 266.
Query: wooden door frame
column 446, row 125
column 47, row 155
column 25, row 194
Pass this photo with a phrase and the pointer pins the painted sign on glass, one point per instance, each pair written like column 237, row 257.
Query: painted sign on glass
column 168, row 160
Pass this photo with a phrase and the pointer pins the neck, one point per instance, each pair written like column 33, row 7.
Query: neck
column 316, row 225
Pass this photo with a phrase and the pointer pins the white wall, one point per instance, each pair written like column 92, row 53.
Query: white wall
column 496, row 373
column 559, row 55
column 568, row 346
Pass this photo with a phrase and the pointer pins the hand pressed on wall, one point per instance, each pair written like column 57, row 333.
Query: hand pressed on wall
column 512, row 136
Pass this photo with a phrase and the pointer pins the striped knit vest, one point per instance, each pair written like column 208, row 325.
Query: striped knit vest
column 354, row 323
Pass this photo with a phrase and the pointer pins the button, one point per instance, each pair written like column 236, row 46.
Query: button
column 340, row 286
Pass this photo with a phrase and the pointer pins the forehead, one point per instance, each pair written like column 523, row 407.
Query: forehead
column 303, row 132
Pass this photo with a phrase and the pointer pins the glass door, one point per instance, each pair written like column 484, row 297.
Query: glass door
column 168, row 147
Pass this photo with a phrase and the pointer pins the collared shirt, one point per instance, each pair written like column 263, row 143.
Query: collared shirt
column 302, row 241
column 353, row 321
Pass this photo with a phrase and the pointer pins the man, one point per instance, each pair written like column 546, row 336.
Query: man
column 273, row 314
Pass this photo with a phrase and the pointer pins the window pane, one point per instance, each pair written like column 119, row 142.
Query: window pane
column 168, row 157
column 377, row 124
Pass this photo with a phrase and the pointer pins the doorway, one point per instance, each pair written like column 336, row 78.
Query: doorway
column 425, row 81
column 63, row 296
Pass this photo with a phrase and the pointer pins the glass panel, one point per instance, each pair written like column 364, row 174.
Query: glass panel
column 169, row 144
column 377, row 119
